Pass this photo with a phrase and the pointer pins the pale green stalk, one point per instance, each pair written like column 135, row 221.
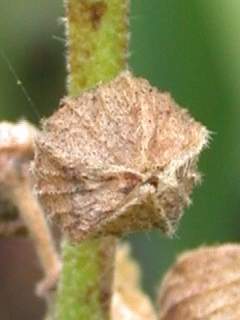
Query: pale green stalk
column 97, row 37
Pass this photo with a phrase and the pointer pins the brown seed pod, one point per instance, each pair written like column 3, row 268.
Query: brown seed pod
column 18, row 205
column 16, row 152
column 203, row 284
column 17, row 137
column 118, row 158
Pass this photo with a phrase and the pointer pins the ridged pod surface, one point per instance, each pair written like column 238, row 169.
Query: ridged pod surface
column 203, row 284
column 119, row 158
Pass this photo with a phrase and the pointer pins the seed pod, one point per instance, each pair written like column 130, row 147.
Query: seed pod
column 203, row 284
column 20, row 207
column 118, row 158
column 17, row 137
column 16, row 152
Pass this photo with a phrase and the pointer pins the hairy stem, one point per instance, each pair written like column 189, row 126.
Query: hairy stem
column 97, row 37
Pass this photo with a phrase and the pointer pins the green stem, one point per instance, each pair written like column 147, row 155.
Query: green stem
column 97, row 32
column 97, row 35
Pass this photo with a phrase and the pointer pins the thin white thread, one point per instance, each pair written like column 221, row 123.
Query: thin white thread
column 59, row 39
column 20, row 84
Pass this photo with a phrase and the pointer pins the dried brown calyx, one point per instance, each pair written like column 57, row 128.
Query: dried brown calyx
column 203, row 284
column 19, row 208
column 16, row 152
column 118, row 158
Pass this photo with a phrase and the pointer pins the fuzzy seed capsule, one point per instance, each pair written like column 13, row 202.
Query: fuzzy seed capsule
column 203, row 284
column 16, row 152
column 118, row 158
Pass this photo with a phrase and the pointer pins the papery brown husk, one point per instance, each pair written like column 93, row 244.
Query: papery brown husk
column 20, row 210
column 119, row 158
column 16, row 152
column 203, row 284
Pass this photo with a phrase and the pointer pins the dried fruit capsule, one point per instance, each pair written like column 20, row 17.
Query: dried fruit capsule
column 16, row 152
column 203, row 284
column 118, row 158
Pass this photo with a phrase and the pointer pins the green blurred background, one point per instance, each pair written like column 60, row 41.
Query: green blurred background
column 190, row 48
